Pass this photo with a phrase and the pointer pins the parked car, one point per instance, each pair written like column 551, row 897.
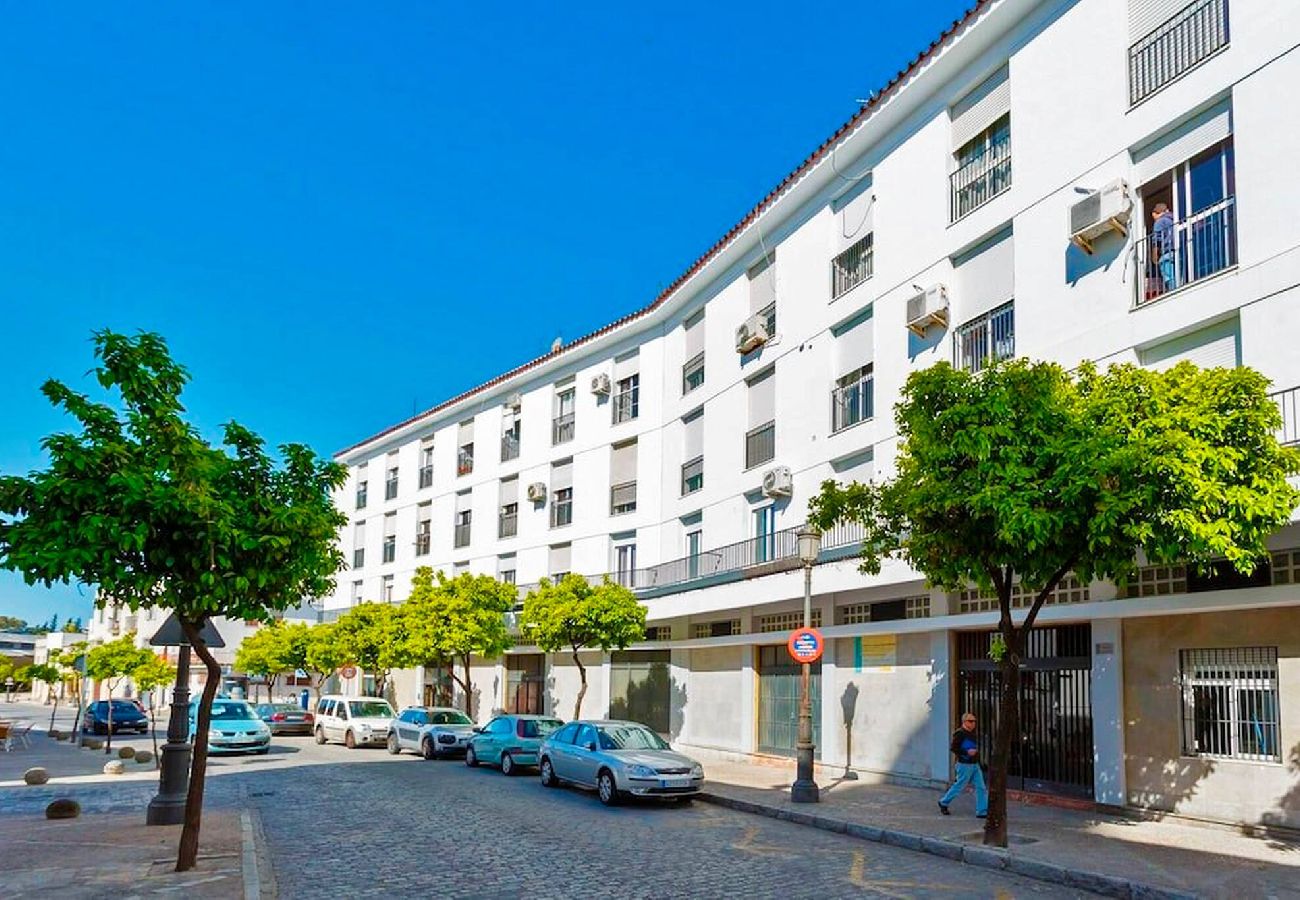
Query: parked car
column 353, row 720
column 432, row 731
column 286, row 718
column 618, row 759
column 233, row 728
column 126, row 717
column 509, row 741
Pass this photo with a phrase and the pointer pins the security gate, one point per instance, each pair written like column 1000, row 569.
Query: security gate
column 778, row 701
column 1054, row 750
column 525, row 683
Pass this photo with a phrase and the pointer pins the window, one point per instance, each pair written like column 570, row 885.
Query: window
column 622, row 499
column 760, row 440
column 853, row 266
column 659, row 633
column 988, row 339
column 853, row 400
column 359, row 545
column 693, row 370
column 1175, row 45
column 562, row 493
column 694, row 542
column 506, row 569
column 390, row 537
column 622, row 473
column 1190, row 211
column 465, row 449
column 511, row 429
column 388, row 589
column 981, row 140
column 693, row 373
column 356, row 592
column 424, row 529
column 562, row 425
column 786, row 621
column 693, row 452
column 627, row 399
column 560, row 561
column 625, row 564
column 463, row 519
column 1230, row 703
column 765, row 534
column 693, row 476
column 363, row 492
column 724, row 628
column 390, row 482
column 426, row 463
column 508, row 524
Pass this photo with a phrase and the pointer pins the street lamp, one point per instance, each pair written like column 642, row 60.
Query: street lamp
column 804, row 789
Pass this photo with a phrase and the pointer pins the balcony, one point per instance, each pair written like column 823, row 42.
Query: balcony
column 986, row 340
column 981, row 179
column 465, row 460
column 853, row 402
column 622, row 498
column 562, row 428
column 1197, row 32
column 508, row 524
column 509, row 446
column 760, row 445
column 1199, row 246
column 1288, row 402
column 461, row 538
column 426, row 476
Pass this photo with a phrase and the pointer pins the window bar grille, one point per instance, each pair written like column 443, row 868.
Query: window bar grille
column 1188, row 38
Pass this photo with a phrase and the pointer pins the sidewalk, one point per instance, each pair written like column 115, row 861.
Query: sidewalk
column 1170, row 855
column 65, row 761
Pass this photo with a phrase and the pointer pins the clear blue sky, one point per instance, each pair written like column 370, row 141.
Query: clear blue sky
column 339, row 212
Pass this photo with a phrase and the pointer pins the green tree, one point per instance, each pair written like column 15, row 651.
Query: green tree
column 138, row 503
column 69, row 660
column 261, row 653
column 1025, row 473
column 12, row 623
column 572, row 614
column 51, row 677
column 72, row 626
column 110, row 664
column 324, row 654
column 153, row 675
column 455, row 620
column 367, row 635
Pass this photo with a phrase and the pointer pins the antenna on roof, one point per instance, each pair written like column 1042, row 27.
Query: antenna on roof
column 556, row 345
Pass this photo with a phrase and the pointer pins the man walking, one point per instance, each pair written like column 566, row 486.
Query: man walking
column 965, row 746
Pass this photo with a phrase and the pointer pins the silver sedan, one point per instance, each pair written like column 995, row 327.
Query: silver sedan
column 618, row 759
column 431, row 731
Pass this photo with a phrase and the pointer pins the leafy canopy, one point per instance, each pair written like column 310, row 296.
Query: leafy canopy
column 571, row 614
column 456, row 617
column 261, row 652
column 324, row 653
column 1025, row 469
column 368, row 635
column 153, row 673
column 116, row 659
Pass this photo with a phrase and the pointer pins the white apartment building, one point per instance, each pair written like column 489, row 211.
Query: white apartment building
column 995, row 198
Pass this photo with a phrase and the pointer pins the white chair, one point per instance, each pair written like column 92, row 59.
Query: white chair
column 22, row 731
column 6, row 740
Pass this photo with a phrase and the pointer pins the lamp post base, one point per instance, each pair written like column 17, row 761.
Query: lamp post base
column 804, row 789
column 168, row 805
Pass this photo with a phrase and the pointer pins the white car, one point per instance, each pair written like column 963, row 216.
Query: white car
column 355, row 721
column 431, row 731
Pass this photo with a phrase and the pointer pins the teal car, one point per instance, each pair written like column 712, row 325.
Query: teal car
column 235, row 728
column 509, row 742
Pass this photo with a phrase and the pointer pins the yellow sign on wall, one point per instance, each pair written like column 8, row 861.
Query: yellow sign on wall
column 878, row 652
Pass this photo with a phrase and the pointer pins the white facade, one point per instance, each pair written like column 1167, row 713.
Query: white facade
column 1061, row 72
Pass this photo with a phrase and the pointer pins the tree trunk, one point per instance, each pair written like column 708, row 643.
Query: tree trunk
column 54, row 712
column 1004, row 739
column 188, row 851
column 153, row 726
column 582, row 689
column 108, row 742
column 469, row 689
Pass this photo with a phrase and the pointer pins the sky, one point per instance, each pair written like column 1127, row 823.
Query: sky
column 338, row 214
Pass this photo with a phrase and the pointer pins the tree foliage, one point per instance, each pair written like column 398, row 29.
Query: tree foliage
column 572, row 614
column 110, row 664
column 1025, row 473
column 368, row 635
column 137, row 502
column 323, row 653
column 153, row 676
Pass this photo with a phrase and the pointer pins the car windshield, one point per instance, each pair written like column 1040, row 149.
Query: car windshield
column 449, row 717
column 370, row 709
column 228, row 711
column 630, row 737
column 124, row 705
column 538, row 727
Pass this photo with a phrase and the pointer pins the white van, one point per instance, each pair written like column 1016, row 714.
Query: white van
column 353, row 720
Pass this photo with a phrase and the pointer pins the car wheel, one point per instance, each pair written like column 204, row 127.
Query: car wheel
column 507, row 764
column 684, row 801
column 393, row 747
column 471, row 758
column 548, row 774
column 426, row 749
column 263, row 751
column 607, row 788
column 350, row 740
column 320, row 735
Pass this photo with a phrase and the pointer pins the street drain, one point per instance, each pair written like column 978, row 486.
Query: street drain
column 261, row 793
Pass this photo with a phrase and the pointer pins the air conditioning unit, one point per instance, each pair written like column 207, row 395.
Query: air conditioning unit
column 752, row 334
column 600, row 384
column 778, row 482
column 1101, row 211
column 537, row 492
column 930, row 307
column 514, row 401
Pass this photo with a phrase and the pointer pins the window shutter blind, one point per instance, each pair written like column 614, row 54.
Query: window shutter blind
column 694, row 335
column 855, row 342
column 985, row 276
column 622, row 466
column 693, row 439
column 980, row 108
column 1209, row 347
column 762, row 399
column 390, row 525
column 1183, row 142
column 853, row 212
column 762, row 284
column 562, row 475
column 561, row 558
column 1144, row 16
column 626, row 365
column 359, row 535
column 467, row 432
column 509, row 490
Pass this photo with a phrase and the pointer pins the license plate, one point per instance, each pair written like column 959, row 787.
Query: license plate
column 673, row 782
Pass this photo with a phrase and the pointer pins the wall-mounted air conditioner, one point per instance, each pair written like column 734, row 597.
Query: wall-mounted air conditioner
column 930, row 307
column 600, row 384
column 514, row 402
column 1101, row 211
column 778, row 482
column 752, row 334
column 537, row 492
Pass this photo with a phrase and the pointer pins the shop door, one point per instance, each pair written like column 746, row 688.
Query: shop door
column 525, row 684
column 640, row 689
column 778, row 701
column 1054, row 751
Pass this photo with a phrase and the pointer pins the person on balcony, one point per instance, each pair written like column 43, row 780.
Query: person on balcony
column 1162, row 245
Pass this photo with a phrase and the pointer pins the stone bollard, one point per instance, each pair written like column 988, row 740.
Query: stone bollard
column 114, row 767
column 143, row 756
column 126, row 753
column 36, row 775
column 63, row 809
column 92, row 743
column 55, row 733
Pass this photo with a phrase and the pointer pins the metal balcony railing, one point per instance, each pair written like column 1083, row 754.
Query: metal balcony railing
column 1194, row 34
column 989, row 339
column 622, row 498
column 1201, row 245
column 562, row 428
column 1288, row 402
column 358, row 558
column 509, row 446
column 465, row 460
column 760, row 445
column 508, row 524
column 853, row 266
column 981, row 179
column 853, row 403
column 462, row 535
column 426, row 476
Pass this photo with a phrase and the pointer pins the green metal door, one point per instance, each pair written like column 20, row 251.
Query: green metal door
column 778, row 701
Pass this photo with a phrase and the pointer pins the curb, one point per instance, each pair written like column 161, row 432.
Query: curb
column 970, row 854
